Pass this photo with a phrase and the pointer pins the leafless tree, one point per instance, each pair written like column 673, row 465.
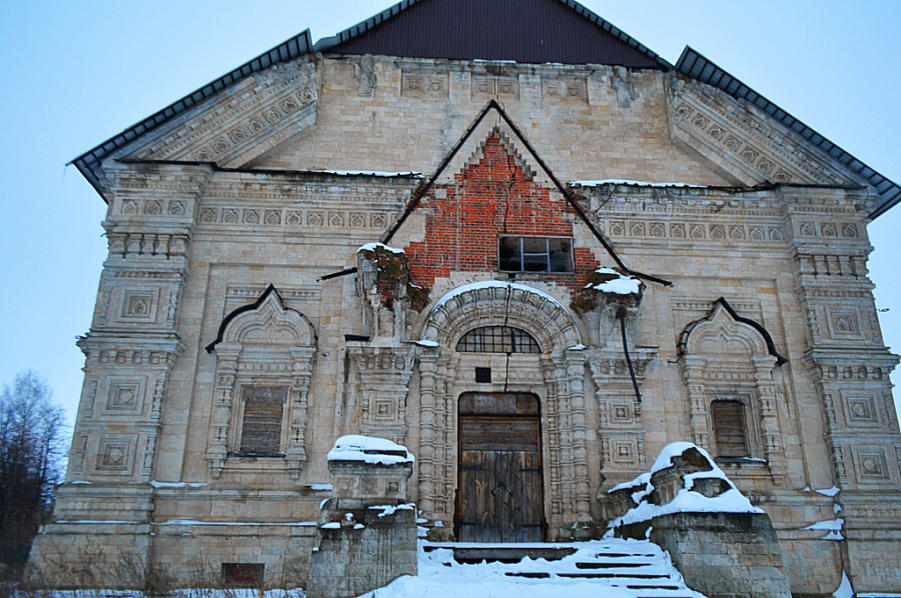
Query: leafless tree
column 32, row 431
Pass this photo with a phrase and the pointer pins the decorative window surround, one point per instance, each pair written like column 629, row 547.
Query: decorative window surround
column 726, row 357
column 263, row 344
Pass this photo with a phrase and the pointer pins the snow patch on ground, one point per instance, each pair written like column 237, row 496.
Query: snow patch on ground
column 355, row 447
column 442, row 577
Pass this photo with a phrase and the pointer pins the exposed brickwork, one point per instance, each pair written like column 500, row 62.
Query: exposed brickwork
column 491, row 198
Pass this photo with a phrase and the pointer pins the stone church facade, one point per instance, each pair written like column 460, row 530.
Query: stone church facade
column 245, row 318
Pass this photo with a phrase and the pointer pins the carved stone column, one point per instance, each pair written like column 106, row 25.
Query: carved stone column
column 771, row 430
column 226, row 370
column 620, row 430
column 693, row 369
column 428, row 413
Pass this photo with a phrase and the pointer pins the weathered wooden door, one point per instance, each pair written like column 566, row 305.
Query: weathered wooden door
column 500, row 484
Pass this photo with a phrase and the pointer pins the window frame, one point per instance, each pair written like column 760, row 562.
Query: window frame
column 519, row 339
column 547, row 252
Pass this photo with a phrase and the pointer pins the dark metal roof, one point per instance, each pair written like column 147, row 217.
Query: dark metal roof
column 537, row 31
column 699, row 68
column 89, row 163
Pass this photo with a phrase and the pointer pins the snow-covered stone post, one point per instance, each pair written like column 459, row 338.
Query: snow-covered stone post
column 722, row 544
column 367, row 530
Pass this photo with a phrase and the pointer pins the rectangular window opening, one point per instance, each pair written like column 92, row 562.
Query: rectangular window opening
column 729, row 429
column 534, row 254
column 261, row 431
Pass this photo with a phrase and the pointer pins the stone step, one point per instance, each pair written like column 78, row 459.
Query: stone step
column 612, row 565
column 494, row 553
column 640, row 567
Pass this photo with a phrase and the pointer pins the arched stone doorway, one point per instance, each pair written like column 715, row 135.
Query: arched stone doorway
column 554, row 375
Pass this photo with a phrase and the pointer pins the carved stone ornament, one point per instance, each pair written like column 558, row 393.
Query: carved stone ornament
column 257, row 115
column 726, row 357
column 560, row 374
column 261, row 345
column 742, row 142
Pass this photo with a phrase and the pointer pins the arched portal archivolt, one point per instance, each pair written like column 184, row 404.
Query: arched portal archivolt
column 497, row 303
column 561, row 378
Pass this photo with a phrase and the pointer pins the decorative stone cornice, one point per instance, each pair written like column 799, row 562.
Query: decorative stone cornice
column 243, row 122
column 742, row 142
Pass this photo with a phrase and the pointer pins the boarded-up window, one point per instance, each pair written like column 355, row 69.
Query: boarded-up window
column 497, row 339
column 243, row 575
column 729, row 428
column 262, row 428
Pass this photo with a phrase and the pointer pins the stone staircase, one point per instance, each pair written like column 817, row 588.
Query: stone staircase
column 639, row 568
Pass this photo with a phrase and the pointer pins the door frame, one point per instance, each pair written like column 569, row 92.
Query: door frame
column 535, row 416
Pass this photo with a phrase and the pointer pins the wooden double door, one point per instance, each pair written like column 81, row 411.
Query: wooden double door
column 500, row 490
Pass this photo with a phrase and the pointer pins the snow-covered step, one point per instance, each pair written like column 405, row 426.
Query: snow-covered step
column 609, row 568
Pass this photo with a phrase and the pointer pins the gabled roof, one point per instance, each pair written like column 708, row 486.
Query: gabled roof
column 694, row 65
column 538, row 31
column 579, row 35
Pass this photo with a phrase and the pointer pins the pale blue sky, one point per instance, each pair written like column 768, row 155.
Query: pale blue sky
column 76, row 73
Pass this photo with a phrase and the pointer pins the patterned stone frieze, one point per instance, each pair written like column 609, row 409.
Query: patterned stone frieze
column 737, row 137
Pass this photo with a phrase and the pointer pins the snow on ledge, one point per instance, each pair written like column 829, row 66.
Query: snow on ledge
column 378, row 173
column 493, row 284
column 632, row 183
column 374, row 246
column 368, row 449
column 424, row 342
column 237, row 523
column 159, row 485
column 390, row 509
column 845, row 590
column 621, row 285
column 830, row 492
column 686, row 500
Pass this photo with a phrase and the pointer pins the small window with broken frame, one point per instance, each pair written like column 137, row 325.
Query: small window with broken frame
column 534, row 254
